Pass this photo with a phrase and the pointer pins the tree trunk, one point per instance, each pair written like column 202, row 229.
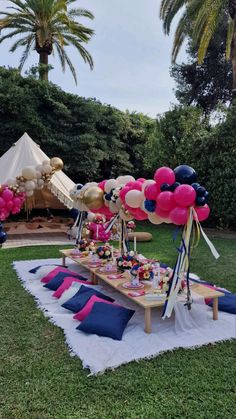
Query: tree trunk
column 43, row 65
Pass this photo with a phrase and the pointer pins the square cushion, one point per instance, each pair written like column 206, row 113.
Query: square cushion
column 79, row 300
column 227, row 303
column 106, row 320
column 42, row 271
column 59, row 269
column 70, row 292
column 68, row 280
column 41, row 267
column 55, row 282
column 82, row 314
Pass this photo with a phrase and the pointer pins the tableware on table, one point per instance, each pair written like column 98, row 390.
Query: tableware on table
column 130, row 286
column 115, row 276
column 103, row 271
column 136, row 293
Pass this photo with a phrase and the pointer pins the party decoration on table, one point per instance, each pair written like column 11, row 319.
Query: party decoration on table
column 105, row 252
column 145, row 272
column 86, row 246
column 126, row 261
column 98, row 227
column 130, row 226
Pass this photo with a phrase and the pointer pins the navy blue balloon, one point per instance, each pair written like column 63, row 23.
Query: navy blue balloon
column 206, row 196
column 79, row 186
column 165, row 187
column 200, row 201
column 195, row 186
column 150, row 205
column 201, row 191
column 174, row 186
column 185, row 174
column 3, row 235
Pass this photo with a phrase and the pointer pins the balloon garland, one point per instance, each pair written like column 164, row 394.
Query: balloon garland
column 172, row 196
column 19, row 191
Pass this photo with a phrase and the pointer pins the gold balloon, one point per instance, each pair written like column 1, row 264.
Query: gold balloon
column 57, row 163
column 93, row 198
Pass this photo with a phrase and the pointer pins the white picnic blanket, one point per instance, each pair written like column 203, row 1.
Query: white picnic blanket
column 185, row 329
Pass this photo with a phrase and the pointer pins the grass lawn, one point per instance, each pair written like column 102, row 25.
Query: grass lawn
column 39, row 379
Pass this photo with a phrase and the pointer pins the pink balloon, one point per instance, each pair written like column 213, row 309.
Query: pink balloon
column 15, row 210
column 17, row 202
column 185, row 195
column 202, row 212
column 7, row 195
column 139, row 214
column 165, row 201
column 164, row 175
column 179, row 215
column 9, row 205
column 161, row 213
column 135, row 185
column 123, row 192
column 151, row 192
column 141, row 179
column 2, row 203
column 102, row 184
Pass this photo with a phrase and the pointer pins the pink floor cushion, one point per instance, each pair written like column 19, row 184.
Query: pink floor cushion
column 59, row 269
column 82, row 314
column 67, row 282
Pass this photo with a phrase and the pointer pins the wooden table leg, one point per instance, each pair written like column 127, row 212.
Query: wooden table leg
column 63, row 260
column 215, row 308
column 93, row 278
column 148, row 326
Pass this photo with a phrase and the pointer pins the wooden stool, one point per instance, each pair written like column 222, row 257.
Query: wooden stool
column 140, row 236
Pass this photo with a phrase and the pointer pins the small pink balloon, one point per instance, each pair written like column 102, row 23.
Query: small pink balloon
column 179, row 215
column 202, row 212
column 141, row 179
column 151, row 192
column 2, row 203
column 164, row 175
column 161, row 213
column 185, row 195
column 123, row 192
column 165, row 201
column 102, row 184
column 7, row 195
column 17, row 202
column 9, row 205
column 136, row 185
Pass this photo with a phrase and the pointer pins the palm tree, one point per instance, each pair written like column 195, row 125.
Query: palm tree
column 47, row 26
column 200, row 19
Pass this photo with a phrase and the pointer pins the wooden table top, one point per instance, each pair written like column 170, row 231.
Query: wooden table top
column 199, row 289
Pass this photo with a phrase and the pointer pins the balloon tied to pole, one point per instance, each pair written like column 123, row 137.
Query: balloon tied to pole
column 172, row 196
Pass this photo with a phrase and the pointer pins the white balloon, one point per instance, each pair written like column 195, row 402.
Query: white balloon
column 124, row 216
column 113, row 207
column 40, row 182
column 29, row 193
column 147, row 182
column 120, row 180
column 106, row 203
column 110, row 184
column 29, row 172
column 29, row 185
column 40, row 169
column 38, row 174
column 155, row 219
column 90, row 216
column 128, row 178
column 46, row 162
column 47, row 168
column 134, row 198
column 167, row 220
column 22, row 189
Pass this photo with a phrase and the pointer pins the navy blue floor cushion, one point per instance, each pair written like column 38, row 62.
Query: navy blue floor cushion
column 78, row 301
column 106, row 320
column 227, row 303
column 59, row 278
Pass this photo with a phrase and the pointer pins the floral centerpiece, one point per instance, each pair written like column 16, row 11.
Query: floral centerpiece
column 166, row 280
column 130, row 226
column 104, row 252
column 86, row 246
column 126, row 261
column 145, row 272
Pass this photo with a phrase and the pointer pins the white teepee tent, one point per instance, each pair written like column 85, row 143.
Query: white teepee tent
column 25, row 152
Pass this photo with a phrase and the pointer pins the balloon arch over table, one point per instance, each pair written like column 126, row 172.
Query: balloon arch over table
column 172, row 196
